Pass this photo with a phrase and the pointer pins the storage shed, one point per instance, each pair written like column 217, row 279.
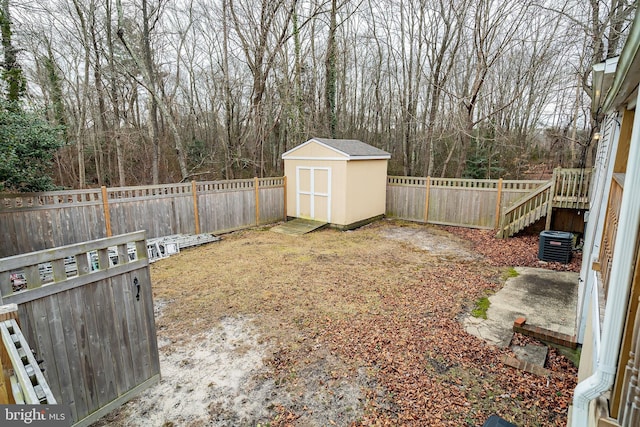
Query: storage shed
column 339, row 181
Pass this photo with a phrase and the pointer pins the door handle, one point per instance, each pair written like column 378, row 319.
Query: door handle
column 135, row 282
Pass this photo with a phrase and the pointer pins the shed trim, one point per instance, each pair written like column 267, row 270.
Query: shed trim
column 341, row 159
column 325, row 145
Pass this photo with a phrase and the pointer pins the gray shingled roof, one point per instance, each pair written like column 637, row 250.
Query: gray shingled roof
column 353, row 147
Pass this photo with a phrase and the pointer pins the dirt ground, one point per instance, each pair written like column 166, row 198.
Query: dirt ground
column 336, row 328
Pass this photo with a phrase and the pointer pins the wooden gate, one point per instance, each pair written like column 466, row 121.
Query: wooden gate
column 87, row 311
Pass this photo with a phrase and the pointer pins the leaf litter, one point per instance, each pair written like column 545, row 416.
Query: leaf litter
column 340, row 328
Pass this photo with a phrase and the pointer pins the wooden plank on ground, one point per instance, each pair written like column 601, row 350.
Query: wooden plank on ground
column 298, row 227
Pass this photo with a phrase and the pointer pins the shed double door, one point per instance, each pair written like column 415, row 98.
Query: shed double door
column 313, row 193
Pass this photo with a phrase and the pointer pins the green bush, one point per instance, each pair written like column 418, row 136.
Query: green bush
column 27, row 145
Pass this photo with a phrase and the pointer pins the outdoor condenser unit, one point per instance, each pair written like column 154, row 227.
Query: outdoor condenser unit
column 555, row 246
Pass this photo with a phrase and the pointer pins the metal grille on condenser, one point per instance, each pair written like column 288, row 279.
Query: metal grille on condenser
column 555, row 246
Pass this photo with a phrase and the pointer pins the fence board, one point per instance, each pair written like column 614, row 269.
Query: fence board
column 84, row 394
column 71, row 392
column 271, row 193
column 406, row 201
column 123, row 360
column 468, row 206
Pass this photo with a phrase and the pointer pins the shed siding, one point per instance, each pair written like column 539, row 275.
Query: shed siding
column 366, row 190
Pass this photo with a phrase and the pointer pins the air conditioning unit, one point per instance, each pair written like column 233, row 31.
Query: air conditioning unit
column 496, row 421
column 555, row 246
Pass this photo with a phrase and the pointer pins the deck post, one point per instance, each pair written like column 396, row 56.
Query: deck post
column 498, row 204
column 552, row 195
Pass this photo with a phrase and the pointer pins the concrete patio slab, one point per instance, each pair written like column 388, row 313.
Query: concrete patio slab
column 545, row 298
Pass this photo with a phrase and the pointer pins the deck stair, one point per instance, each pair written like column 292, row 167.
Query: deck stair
column 568, row 189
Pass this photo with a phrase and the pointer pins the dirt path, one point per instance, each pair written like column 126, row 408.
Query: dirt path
column 332, row 328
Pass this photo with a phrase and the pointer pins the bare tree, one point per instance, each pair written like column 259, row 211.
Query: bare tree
column 145, row 67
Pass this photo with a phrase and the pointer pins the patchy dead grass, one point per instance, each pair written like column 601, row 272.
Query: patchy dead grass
column 361, row 308
column 291, row 281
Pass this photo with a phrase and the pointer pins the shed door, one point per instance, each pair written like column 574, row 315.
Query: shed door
column 313, row 193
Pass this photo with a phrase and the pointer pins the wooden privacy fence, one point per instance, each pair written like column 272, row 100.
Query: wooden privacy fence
column 35, row 221
column 449, row 201
column 87, row 311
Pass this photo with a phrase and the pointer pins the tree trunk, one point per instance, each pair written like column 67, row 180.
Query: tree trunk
column 84, row 101
column 331, row 73
column 146, row 69
column 12, row 72
column 115, row 103
column 103, row 128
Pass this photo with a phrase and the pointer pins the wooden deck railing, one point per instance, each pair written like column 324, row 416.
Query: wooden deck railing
column 571, row 188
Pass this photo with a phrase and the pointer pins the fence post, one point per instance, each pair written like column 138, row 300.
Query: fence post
column 284, row 180
column 498, row 204
column 257, row 192
column 196, row 214
column 426, row 200
column 7, row 312
column 107, row 214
